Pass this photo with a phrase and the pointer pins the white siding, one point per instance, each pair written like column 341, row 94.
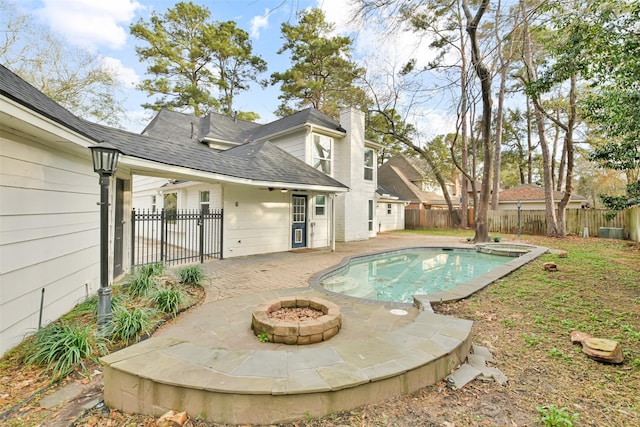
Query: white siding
column 390, row 221
column 256, row 221
column 49, row 235
column 293, row 144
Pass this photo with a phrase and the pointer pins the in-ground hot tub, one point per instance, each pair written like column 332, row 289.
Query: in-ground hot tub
column 299, row 332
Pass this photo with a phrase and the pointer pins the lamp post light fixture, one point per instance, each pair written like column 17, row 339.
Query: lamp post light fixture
column 519, row 205
column 105, row 162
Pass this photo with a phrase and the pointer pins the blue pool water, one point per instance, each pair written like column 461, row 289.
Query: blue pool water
column 398, row 276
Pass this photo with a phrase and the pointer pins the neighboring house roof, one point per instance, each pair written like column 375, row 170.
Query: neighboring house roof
column 388, row 193
column 218, row 127
column 530, row 192
column 257, row 161
column 393, row 178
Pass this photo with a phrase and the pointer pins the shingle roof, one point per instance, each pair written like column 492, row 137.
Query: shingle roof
column 170, row 124
column 392, row 177
column 261, row 161
column 531, row 192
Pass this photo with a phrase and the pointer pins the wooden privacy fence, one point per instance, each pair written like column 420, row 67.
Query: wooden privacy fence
column 535, row 222
column 531, row 221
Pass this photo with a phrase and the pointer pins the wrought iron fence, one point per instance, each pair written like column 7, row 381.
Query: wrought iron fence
column 174, row 237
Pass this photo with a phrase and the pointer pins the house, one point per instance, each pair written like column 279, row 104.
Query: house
column 50, row 220
column 531, row 197
column 336, row 149
column 389, row 209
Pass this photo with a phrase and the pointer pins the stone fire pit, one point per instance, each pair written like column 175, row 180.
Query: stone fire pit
column 293, row 330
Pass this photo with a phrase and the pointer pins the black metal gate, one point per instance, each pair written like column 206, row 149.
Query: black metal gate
column 174, row 237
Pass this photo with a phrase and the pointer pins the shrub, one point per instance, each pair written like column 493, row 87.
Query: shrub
column 155, row 269
column 140, row 284
column 190, row 274
column 61, row 347
column 168, row 300
column 128, row 324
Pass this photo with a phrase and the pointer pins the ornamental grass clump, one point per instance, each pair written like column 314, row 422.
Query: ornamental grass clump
column 168, row 300
column 154, row 269
column 140, row 284
column 191, row 274
column 128, row 324
column 63, row 347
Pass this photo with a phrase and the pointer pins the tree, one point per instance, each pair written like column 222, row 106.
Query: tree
column 483, row 74
column 75, row 78
column 322, row 74
column 605, row 36
column 191, row 58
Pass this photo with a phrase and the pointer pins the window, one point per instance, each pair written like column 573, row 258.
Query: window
column 171, row 207
column 370, row 215
column 204, row 201
column 321, row 205
column 368, row 164
column 388, row 208
column 153, row 204
column 322, row 153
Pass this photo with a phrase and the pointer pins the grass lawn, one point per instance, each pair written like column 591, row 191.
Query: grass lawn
column 524, row 319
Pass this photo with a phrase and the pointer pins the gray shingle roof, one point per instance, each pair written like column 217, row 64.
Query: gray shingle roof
column 255, row 161
column 173, row 125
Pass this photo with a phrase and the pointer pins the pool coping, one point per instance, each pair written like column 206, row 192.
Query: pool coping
column 460, row 292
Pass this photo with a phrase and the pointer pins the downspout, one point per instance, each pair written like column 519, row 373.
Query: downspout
column 333, row 222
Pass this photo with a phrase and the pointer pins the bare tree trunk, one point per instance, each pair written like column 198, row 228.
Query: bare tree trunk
column 529, row 144
column 550, row 212
column 568, row 146
column 482, row 227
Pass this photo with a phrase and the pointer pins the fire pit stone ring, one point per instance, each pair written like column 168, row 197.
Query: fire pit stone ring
column 299, row 332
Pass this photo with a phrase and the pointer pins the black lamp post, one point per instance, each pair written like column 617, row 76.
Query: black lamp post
column 519, row 205
column 105, row 161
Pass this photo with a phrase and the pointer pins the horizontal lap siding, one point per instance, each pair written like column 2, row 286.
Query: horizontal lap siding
column 260, row 223
column 49, row 236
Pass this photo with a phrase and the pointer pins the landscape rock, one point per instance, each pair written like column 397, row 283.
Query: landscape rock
column 550, row 266
column 577, row 337
column 603, row 350
column 172, row 419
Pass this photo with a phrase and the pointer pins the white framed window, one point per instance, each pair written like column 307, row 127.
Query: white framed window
column 368, row 164
column 322, row 153
column 205, row 201
column 371, row 210
column 154, row 204
column 388, row 208
column 321, row 205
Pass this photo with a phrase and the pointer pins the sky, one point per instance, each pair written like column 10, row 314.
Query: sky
column 102, row 26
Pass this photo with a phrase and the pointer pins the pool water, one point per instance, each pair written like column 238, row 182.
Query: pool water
column 398, row 276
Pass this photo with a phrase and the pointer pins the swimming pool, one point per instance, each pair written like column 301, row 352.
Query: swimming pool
column 399, row 275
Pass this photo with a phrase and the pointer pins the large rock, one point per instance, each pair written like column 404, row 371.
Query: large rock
column 603, row 350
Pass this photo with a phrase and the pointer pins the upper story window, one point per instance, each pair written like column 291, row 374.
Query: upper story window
column 388, row 208
column 368, row 164
column 153, row 203
column 322, row 153
column 204, row 201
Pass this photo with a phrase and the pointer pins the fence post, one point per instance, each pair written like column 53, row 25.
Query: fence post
column 201, row 233
column 133, row 237
column 162, row 235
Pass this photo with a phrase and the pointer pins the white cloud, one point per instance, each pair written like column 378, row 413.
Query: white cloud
column 258, row 23
column 125, row 75
column 90, row 23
